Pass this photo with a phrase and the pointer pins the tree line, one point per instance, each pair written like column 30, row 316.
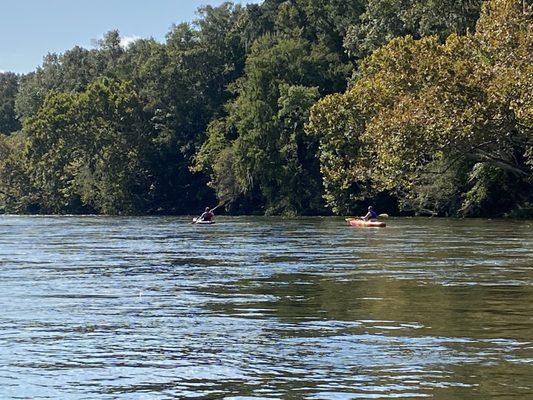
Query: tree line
column 294, row 107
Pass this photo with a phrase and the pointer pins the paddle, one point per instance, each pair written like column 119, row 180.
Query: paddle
column 362, row 218
column 195, row 220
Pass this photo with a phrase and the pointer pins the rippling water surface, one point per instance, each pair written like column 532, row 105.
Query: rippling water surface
column 156, row 308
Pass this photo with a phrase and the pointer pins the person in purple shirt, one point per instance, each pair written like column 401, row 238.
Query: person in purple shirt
column 371, row 215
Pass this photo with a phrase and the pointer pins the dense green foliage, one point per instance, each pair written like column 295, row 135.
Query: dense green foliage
column 252, row 105
column 446, row 127
column 384, row 20
column 9, row 83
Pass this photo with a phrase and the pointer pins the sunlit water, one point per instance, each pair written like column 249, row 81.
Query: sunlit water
column 156, row 308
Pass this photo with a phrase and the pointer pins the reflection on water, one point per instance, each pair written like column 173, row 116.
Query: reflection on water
column 155, row 308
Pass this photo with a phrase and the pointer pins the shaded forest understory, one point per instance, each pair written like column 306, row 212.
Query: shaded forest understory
column 297, row 107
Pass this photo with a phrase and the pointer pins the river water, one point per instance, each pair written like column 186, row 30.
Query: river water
column 263, row 308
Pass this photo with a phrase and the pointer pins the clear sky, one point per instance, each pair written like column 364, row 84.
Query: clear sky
column 29, row 29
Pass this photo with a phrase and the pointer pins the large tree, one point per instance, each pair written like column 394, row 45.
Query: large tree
column 261, row 141
column 420, row 109
column 87, row 151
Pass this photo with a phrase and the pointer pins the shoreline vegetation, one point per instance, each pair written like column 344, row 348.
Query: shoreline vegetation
column 307, row 107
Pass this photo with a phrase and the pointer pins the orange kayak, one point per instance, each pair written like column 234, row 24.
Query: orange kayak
column 365, row 224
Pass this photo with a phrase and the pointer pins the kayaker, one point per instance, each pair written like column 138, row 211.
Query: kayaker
column 371, row 215
column 207, row 216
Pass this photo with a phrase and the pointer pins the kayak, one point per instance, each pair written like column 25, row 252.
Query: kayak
column 365, row 224
column 198, row 222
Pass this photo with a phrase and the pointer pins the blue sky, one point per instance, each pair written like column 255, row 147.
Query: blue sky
column 29, row 29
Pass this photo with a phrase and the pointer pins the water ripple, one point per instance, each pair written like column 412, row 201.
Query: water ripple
column 256, row 308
